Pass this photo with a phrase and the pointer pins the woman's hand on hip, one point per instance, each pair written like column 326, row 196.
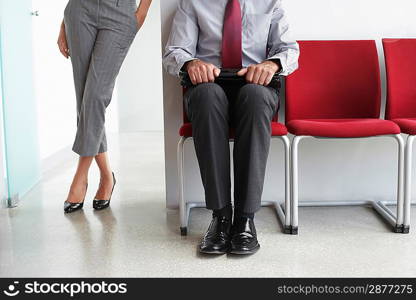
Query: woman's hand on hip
column 141, row 17
column 62, row 42
column 141, row 12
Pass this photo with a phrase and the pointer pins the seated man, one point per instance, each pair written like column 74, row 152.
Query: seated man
column 250, row 36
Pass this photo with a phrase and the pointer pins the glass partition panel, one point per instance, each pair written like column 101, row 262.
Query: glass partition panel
column 19, row 107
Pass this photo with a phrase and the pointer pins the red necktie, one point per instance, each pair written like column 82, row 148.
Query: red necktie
column 232, row 36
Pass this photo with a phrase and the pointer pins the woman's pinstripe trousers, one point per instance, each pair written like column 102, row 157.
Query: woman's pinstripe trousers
column 99, row 35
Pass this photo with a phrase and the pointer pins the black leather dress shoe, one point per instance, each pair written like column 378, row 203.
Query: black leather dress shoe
column 70, row 207
column 217, row 237
column 101, row 204
column 244, row 237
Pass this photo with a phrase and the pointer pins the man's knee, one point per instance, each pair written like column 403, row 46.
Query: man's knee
column 257, row 98
column 207, row 91
column 207, row 97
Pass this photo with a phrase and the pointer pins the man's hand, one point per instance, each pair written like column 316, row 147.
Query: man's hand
column 261, row 73
column 201, row 72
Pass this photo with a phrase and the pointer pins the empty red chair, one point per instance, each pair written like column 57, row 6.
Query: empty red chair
column 336, row 93
column 400, row 56
column 279, row 131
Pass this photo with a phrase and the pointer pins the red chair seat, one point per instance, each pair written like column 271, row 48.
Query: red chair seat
column 407, row 126
column 342, row 128
column 278, row 129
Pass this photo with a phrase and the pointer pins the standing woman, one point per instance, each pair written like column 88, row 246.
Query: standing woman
column 97, row 35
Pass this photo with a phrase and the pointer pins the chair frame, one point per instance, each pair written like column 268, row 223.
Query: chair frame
column 409, row 147
column 408, row 157
column 398, row 221
column 282, row 209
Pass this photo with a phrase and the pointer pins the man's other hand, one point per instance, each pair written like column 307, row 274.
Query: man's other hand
column 201, row 72
column 261, row 73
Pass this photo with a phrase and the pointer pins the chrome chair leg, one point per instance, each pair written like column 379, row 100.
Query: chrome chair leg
column 408, row 182
column 400, row 184
column 288, row 210
column 182, row 203
column 295, row 184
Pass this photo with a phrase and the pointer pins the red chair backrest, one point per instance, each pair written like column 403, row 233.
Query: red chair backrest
column 336, row 79
column 400, row 57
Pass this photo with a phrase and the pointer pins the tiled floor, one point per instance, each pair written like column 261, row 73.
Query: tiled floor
column 138, row 237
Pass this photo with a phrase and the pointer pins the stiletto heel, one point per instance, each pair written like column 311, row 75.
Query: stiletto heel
column 72, row 207
column 101, row 204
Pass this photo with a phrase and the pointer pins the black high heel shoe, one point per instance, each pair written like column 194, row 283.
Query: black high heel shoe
column 72, row 207
column 102, row 204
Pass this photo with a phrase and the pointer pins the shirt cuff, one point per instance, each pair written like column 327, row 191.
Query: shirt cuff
column 283, row 63
column 181, row 61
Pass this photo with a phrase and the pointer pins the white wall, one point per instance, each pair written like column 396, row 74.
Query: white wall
column 172, row 108
column 330, row 170
column 54, row 90
column 140, row 97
